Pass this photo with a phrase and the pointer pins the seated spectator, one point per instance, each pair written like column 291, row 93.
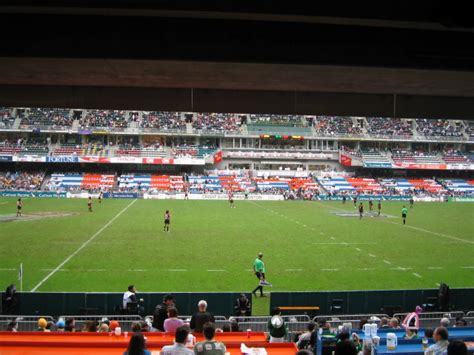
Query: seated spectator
column 137, row 345
column 307, row 339
column 136, row 327
column 277, row 327
column 226, row 328
column 179, row 346
column 90, row 326
column 457, row 347
column 394, row 323
column 60, row 325
column 444, row 322
column 234, row 325
column 42, row 323
column 440, row 347
column 326, row 326
column 114, row 324
column 12, row 326
column 429, row 333
column 345, row 347
column 172, row 322
column 70, row 325
column 357, row 342
column 411, row 333
column 161, row 312
column 209, row 346
column 460, row 322
column 384, row 322
column 104, row 328
column 201, row 317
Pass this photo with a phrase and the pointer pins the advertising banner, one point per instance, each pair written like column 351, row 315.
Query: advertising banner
column 218, row 157
column 91, row 159
column 377, row 165
column 6, row 158
column 14, row 193
column 364, row 198
column 345, row 160
column 420, row 166
column 62, row 159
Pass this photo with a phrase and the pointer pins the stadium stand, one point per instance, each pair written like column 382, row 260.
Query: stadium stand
column 336, row 126
column 365, row 185
column 336, row 184
column 6, row 118
column 236, row 183
column 144, row 182
column 45, row 117
column 438, row 128
column 104, row 118
column 162, row 121
column 455, row 157
column 415, row 157
column 216, row 122
column 459, row 186
column 393, row 127
column 21, row 180
column 71, row 181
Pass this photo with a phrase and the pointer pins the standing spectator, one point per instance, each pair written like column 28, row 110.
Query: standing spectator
column 277, row 327
column 201, row 317
column 129, row 296
column 209, row 346
column 161, row 312
column 440, row 347
column 179, row 346
column 307, row 340
column 457, row 347
column 242, row 306
column 172, row 323
column 345, row 347
column 137, row 345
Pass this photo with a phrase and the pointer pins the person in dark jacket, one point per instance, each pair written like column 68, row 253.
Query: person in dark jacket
column 161, row 312
column 242, row 306
column 200, row 318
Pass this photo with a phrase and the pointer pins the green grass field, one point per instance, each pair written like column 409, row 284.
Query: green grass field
column 212, row 247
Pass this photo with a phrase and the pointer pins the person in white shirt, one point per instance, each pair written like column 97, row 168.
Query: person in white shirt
column 129, row 296
column 179, row 346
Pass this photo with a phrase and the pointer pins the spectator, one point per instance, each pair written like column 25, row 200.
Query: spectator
column 179, row 346
column 277, row 327
column 90, row 326
column 307, row 339
column 209, row 346
column 440, row 347
column 161, row 312
column 50, row 326
column 242, row 306
column 384, row 322
column 460, row 322
column 226, row 328
column 104, row 328
column 12, row 326
column 172, row 322
column 137, row 345
column 60, row 325
column 201, row 317
column 234, row 325
column 444, row 322
column 129, row 296
column 42, row 323
column 114, row 324
column 411, row 333
column 70, row 325
column 457, row 347
column 394, row 323
column 345, row 347
column 136, row 327
column 429, row 333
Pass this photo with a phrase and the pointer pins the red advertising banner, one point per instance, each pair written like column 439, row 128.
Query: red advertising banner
column 420, row 166
column 158, row 161
column 88, row 159
column 218, row 157
column 346, row 160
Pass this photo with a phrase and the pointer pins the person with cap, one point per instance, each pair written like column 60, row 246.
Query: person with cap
column 277, row 327
column 259, row 270
column 179, row 346
column 242, row 306
column 60, row 325
column 114, row 324
column 201, row 317
column 42, row 324
column 161, row 312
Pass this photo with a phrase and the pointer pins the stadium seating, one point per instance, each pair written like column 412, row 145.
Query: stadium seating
column 216, row 122
column 365, row 185
column 336, row 126
column 79, row 181
column 6, row 118
column 459, row 185
column 336, row 184
column 203, row 183
column 236, row 183
column 456, row 157
column 389, row 127
column 415, row 157
column 21, row 180
column 162, row 120
column 104, row 118
column 45, row 117
column 158, row 182
column 438, row 128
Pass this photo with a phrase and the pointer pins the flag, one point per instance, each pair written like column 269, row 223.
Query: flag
column 20, row 272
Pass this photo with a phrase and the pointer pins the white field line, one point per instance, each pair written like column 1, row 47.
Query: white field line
column 343, row 243
column 7, row 269
column 329, row 269
column 467, row 267
column 387, row 262
column 435, row 268
column 417, row 275
column 216, row 270
column 358, row 249
column 177, row 270
column 372, row 255
column 82, row 246
column 293, row 270
column 366, row 268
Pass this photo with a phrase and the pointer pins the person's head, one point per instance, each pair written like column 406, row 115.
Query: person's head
column 181, row 334
column 12, row 326
column 275, row 311
column 226, row 328
column 311, row 326
column 19, row 200
column 457, row 347
column 90, row 326
column 242, row 297
column 104, row 328
column 114, row 324
column 136, row 327
column 411, row 332
column 131, row 288
column 202, row 305
column 362, row 322
column 429, row 333
column 260, row 255
column 344, row 336
column 168, row 300
column 136, row 345
column 326, row 325
column 172, row 312
column 444, row 322
column 209, row 330
column 70, row 325
column 394, row 323
column 403, row 206
column 50, row 326
column 440, row 333
column 42, row 323
column 167, row 211
column 345, row 347
column 383, row 322
column 460, row 322
column 60, row 324
column 234, row 326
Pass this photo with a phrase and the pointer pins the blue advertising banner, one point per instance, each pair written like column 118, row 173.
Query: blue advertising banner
column 62, row 159
column 5, row 158
column 377, row 165
column 120, row 195
column 15, row 193
column 364, row 198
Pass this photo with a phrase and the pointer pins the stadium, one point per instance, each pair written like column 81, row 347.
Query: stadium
column 261, row 202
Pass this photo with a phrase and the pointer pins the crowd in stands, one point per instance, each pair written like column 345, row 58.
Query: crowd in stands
column 104, row 118
column 27, row 181
column 392, row 127
column 294, row 120
column 36, row 116
column 216, row 122
column 335, row 126
column 6, row 119
column 438, row 128
column 162, row 120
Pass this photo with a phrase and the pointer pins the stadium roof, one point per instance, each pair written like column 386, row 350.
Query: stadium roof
column 394, row 58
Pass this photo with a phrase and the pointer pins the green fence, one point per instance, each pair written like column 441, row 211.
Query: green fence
column 366, row 302
column 69, row 303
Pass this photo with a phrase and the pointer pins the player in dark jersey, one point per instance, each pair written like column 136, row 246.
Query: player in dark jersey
column 166, row 227
column 231, row 199
column 361, row 210
column 89, row 204
column 412, row 201
column 379, row 206
column 344, row 199
column 100, row 197
column 355, row 201
column 371, row 205
column 19, row 205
